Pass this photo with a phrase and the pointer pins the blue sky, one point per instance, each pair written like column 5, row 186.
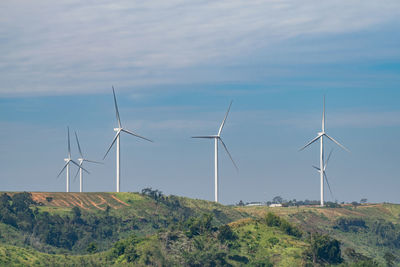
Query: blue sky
column 175, row 66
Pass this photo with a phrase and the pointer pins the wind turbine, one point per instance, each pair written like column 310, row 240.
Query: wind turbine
column 68, row 161
column 324, row 172
column 81, row 160
column 216, row 139
column 117, row 138
column 321, row 136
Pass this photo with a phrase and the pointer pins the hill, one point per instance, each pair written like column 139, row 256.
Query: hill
column 105, row 229
column 371, row 229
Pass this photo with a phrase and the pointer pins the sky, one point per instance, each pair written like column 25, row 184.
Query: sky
column 175, row 66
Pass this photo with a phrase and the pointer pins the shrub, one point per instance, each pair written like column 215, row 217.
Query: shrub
column 199, row 225
column 350, row 224
column 226, row 234
column 273, row 220
column 91, row 248
column 325, row 249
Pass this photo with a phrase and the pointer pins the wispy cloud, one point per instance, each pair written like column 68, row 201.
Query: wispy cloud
column 300, row 120
column 71, row 47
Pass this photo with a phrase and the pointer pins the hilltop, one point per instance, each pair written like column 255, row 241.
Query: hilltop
column 98, row 229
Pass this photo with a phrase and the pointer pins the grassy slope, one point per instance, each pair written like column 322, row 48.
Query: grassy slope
column 140, row 210
column 140, row 214
column 17, row 256
column 256, row 242
column 323, row 220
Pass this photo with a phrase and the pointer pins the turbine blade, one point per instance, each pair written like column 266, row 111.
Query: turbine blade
column 112, row 143
column 65, row 166
column 116, row 108
column 205, row 136
column 134, row 134
column 337, row 143
column 309, row 143
column 69, row 144
column 327, row 182
column 79, row 147
column 229, row 154
column 315, row 167
column 76, row 175
column 323, row 116
column 80, row 166
column 327, row 160
column 223, row 122
column 92, row 161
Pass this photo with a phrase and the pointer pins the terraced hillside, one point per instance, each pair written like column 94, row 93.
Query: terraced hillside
column 84, row 201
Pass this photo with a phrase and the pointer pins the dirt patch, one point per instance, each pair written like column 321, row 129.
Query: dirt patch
column 120, row 201
column 85, row 201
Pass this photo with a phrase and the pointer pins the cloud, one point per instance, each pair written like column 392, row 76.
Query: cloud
column 307, row 120
column 73, row 46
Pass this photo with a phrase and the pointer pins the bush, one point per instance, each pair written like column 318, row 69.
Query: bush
column 325, row 249
column 273, row 220
column 91, row 248
column 350, row 224
column 199, row 225
column 226, row 234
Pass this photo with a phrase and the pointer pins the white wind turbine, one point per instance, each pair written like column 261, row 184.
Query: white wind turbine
column 68, row 161
column 321, row 137
column 216, row 139
column 324, row 173
column 81, row 160
column 117, row 138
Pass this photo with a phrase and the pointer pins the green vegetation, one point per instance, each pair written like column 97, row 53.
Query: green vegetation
column 131, row 229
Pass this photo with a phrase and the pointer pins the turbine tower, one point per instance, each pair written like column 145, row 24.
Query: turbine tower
column 216, row 139
column 321, row 136
column 117, row 138
column 68, row 161
column 81, row 160
column 324, row 172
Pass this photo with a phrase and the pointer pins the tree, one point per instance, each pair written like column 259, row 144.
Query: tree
column 277, row 199
column 154, row 194
column 22, row 201
column 325, row 249
column 199, row 225
column 240, row 203
column 77, row 212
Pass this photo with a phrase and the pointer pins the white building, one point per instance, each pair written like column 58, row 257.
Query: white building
column 275, row 205
column 254, row 204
